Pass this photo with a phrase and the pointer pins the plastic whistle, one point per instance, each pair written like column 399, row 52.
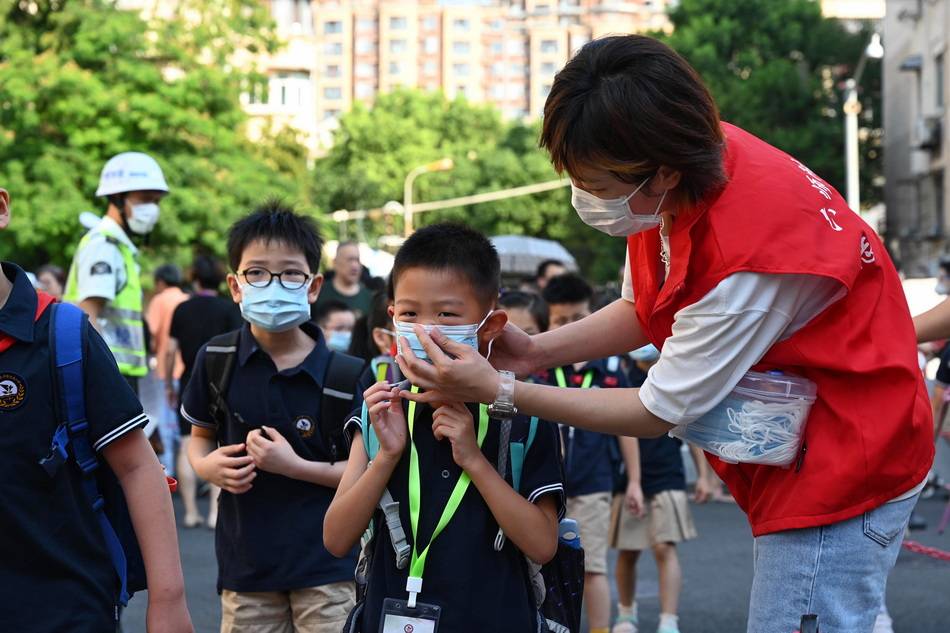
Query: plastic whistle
column 414, row 587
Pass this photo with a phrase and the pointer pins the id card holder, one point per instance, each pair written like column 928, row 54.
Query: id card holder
column 397, row 617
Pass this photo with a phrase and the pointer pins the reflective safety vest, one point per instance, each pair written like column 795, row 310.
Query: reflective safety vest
column 120, row 322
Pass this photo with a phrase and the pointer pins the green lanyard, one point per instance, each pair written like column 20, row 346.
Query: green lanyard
column 417, row 566
column 562, row 381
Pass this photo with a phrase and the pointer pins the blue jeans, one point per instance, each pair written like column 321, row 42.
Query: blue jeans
column 837, row 571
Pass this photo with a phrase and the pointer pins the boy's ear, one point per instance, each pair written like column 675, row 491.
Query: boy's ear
column 391, row 311
column 315, row 285
column 4, row 209
column 493, row 326
column 234, row 287
column 382, row 340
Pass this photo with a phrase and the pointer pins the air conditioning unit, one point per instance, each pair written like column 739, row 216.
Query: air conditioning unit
column 929, row 132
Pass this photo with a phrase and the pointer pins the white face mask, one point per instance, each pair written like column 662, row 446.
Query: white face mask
column 614, row 216
column 464, row 334
column 143, row 218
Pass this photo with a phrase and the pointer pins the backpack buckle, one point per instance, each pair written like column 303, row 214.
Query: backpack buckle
column 88, row 465
column 57, row 452
column 78, row 427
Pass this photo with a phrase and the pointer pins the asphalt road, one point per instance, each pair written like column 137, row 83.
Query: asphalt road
column 717, row 572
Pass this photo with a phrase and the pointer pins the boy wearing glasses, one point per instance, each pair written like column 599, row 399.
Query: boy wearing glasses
column 266, row 450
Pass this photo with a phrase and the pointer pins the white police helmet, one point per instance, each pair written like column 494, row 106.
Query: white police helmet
column 131, row 171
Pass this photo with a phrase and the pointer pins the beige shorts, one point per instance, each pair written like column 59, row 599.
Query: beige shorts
column 667, row 520
column 320, row 609
column 592, row 513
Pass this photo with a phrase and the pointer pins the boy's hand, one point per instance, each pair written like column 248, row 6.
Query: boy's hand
column 454, row 422
column 388, row 419
column 170, row 617
column 633, row 500
column 703, row 491
column 272, row 452
column 227, row 469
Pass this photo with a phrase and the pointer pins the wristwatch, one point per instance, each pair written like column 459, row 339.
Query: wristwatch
column 503, row 408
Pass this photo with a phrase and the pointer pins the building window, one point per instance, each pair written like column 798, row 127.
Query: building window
column 431, row 45
column 545, row 90
column 366, row 24
column 430, row 68
column 397, row 46
column 331, row 70
column 293, row 16
column 497, row 48
column 516, row 47
column 939, row 80
column 364, row 46
column 332, row 27
column 462, row 70
column 332, row 92
column 517, row 69
column 498, row 92
column 430, row 23
column 365, row 90
column 496, row 25
column 365, row 70
column 542, row 8
column 548, row 46
column 256, row 92
column 548, row 68
column 461, row 24
column 398, row 23
column 498, row 69
column 290, row 90
column 461, row 48
column 333, row 48
column 394, row 68
column 460, row 90
column 331, row 114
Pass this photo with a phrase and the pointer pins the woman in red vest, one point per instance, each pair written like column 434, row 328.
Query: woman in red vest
column 739, row 258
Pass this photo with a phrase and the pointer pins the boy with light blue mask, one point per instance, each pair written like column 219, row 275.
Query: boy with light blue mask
column 265, row 438
column 468, row 523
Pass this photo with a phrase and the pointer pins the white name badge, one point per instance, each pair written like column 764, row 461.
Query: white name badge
column 398, row 618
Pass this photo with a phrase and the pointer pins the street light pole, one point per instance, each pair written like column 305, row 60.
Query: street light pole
column 444, row 164
column 852, row 108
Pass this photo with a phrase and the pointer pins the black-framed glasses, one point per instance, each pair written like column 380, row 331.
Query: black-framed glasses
column 289, row 279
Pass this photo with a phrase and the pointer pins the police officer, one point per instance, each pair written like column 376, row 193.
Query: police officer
column 105, row 279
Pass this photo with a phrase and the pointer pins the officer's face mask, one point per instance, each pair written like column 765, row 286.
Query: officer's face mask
column 614, row 216
column 142, row 218
column 273, row 307
column 464, row 334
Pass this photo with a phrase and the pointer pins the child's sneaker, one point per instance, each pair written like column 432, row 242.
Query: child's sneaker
column 668, row 624
column 625, row 624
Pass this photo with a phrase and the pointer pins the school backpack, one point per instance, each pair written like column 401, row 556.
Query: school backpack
column 336, row 402
column 71, row 442
column 558, row 585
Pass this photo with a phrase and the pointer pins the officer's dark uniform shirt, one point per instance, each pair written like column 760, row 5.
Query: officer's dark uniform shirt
column 271, row 537
column 55, row 573
column 661, row 458
column 591, row 460
column 478, row 588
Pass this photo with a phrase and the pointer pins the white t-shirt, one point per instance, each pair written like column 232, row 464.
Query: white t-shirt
column 100, row 269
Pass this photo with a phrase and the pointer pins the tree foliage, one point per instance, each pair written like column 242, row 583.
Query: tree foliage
column 81, row 80
column 376, row 147
column 777, row 69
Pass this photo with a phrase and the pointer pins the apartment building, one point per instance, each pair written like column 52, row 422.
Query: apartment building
column 916, row 131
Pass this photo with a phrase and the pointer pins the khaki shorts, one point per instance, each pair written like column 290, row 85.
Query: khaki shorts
column 320, row 609
column 667, row 520
column 592, row 513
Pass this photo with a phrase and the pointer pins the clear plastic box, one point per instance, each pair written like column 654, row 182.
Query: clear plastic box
column 761, row 421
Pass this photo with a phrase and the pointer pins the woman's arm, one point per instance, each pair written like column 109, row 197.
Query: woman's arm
column 934, row 323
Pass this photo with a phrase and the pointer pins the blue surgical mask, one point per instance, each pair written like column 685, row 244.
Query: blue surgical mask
column 275, row 308
column 339, row 340
column 464, row 334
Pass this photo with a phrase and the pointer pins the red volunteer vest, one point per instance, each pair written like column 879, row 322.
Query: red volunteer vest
column 869, row 436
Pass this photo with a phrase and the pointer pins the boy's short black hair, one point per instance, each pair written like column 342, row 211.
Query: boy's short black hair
column 543, row 267
column 207, row 271
column 567, row 288
column 450, row 246
column 275, row 221
column 328, row 308
column 168, row 273
column 533, row 303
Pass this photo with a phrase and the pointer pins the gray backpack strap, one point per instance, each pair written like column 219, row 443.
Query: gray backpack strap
column 504, row 442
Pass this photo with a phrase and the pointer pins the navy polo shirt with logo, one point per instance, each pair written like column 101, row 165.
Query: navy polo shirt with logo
column 591, row 460
column 55, row 573
column 271, row 537
column 478, row 588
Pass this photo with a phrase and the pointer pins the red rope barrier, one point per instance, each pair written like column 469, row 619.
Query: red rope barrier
column 932, row 552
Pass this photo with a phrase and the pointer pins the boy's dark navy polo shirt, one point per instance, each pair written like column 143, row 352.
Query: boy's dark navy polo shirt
column 591, row 460
column 478, row 588
column 55, row 573
column 661, row 458
column 271, row 537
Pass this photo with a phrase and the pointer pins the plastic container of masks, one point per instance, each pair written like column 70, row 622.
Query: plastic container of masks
column 761, row 421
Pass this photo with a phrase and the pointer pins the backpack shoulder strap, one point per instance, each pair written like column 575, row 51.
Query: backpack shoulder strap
column 519, row 450
column 339, row 391
column 67, row 323
column 220, row 359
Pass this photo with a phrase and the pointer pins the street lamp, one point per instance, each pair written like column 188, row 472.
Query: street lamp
column 444, row 164
column 852, row 107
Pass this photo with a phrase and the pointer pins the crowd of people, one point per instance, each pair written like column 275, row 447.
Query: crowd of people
column 430, row 451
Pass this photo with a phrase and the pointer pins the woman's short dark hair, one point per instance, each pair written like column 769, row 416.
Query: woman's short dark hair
column 629, row 104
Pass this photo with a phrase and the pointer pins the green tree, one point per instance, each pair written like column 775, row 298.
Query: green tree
column 375, row 147
column 777, row 69
column 83, row 80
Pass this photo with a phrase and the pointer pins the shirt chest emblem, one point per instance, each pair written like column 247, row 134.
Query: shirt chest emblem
column 305, row 426
column 12, row 392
